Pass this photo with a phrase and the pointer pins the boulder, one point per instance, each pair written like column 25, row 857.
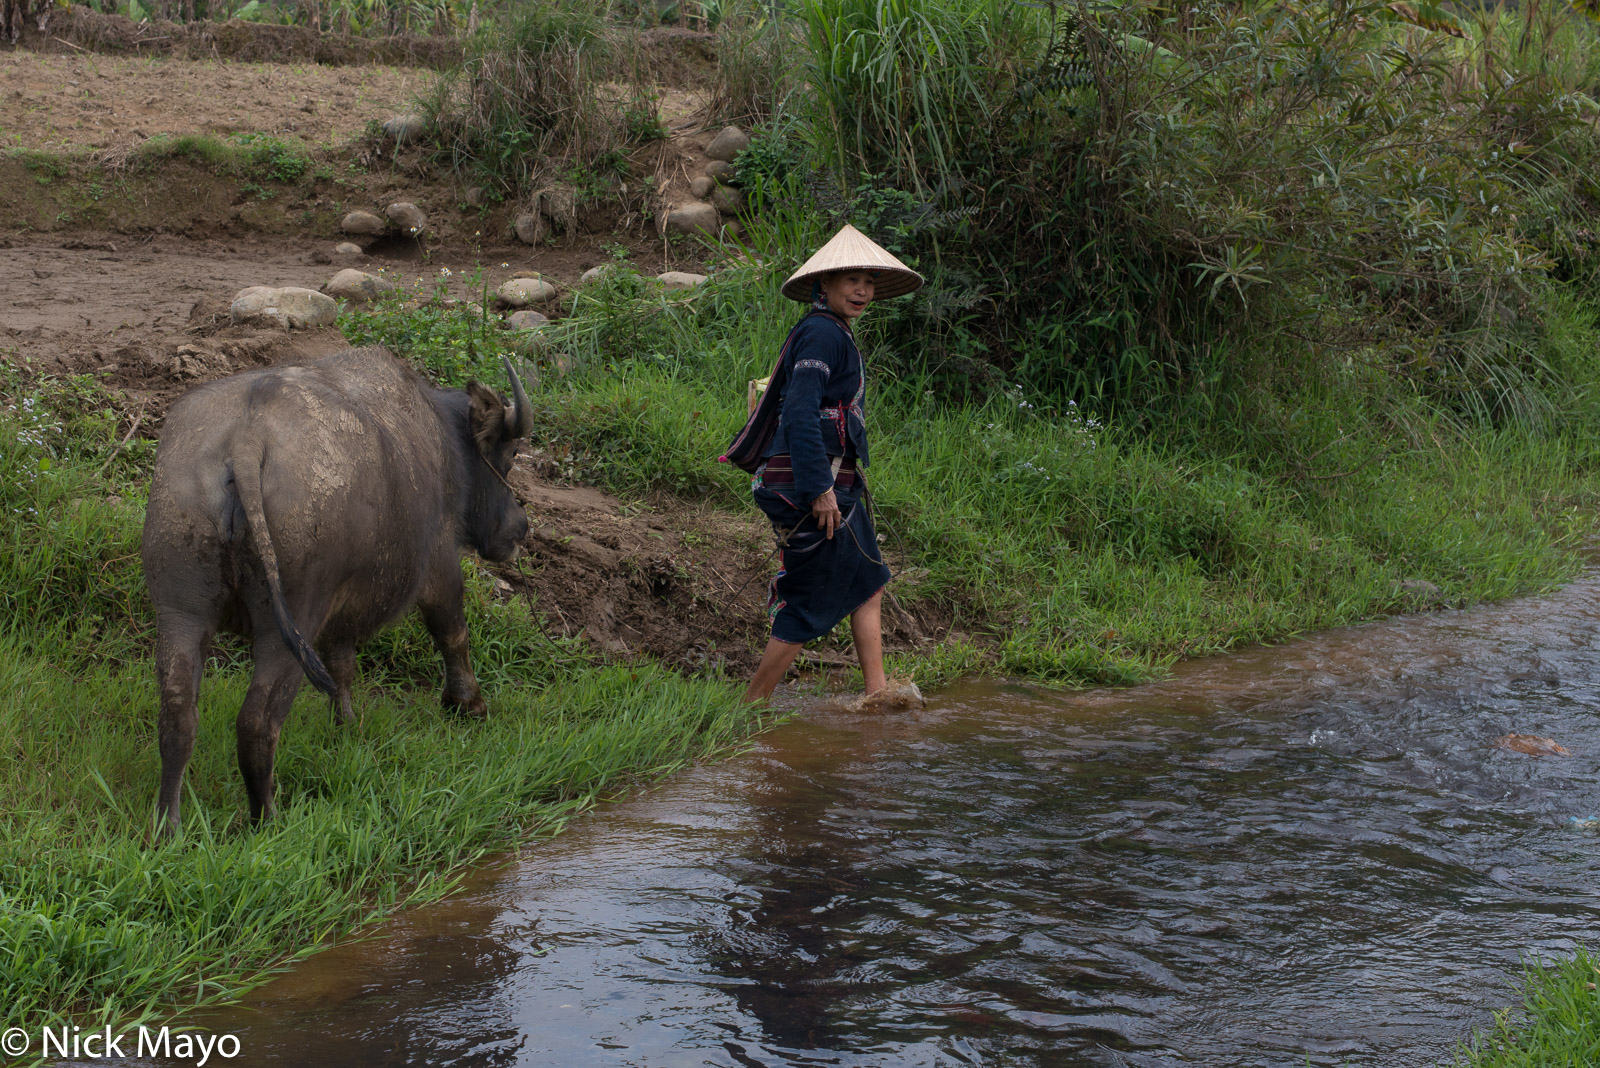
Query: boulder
column 559, row 204
column 719, row 172
column 728, row 143
column 363, row 223
column 347, row 249
column 526, row 320
column 521, row 292
column 403, row 129
column 694, row 217
column 728, row 200
column 530, row 227
column 351, row 284
column 407, row 216
column 594, row 274
column 701, row 186
column 680, row 280
column 290, row 307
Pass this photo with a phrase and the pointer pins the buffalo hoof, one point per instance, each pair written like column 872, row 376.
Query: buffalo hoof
column 472, row 708
column 164, row 830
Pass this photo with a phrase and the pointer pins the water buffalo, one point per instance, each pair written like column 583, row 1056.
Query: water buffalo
column 306, row 507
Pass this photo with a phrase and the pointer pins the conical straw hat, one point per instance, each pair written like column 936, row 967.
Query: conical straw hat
column 852, row 250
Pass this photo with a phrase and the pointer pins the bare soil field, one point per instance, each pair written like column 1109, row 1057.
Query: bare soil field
column 101, row 101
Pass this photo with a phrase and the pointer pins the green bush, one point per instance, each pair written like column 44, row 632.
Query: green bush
column 1325, row 189
column 529, row 90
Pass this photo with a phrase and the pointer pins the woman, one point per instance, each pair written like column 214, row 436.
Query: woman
column 806, row 444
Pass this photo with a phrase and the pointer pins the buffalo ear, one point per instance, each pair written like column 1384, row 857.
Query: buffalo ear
column 487, row 417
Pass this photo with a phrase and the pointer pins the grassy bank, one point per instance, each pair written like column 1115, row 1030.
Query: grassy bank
column 1067, row 547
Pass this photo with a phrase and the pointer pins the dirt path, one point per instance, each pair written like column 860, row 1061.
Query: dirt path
column 98, row 101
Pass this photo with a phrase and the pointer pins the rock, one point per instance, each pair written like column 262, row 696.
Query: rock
column 680, row 280
column 521, row 292
column 347, row 250
column 407, row 216
column 530, row 227
column 362, row 222
column 719, row 171
column 291, row 307
column 403, row 129
column 694, row 217
column 526, row 320
column 700, row 187
column 321, row 257
column 560, row 206
column 351, row 284
column 476, row 196
column 727, row 144
column 727, row 200
column 594, row 274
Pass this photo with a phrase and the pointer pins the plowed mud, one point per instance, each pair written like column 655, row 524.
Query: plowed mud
column 99, row 101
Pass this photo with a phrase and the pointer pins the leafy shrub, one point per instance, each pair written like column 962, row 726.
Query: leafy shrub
column 1323, row 190
column 529, row 89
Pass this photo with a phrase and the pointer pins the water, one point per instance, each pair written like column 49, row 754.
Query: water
column 1305, row 854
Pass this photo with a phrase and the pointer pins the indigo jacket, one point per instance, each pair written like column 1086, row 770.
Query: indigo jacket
column 821, row 412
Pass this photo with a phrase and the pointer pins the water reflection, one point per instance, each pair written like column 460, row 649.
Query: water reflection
column 1306, row 853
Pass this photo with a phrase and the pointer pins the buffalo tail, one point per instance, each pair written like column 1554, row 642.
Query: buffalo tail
column 247, row 478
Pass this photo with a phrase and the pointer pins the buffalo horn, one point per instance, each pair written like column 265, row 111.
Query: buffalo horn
column 520, row 418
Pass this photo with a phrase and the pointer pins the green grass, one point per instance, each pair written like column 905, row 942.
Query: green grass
column 1556, row 1026
column 380, row 815
column 254, row 157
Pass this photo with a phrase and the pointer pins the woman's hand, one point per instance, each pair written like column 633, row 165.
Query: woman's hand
column 826, row 509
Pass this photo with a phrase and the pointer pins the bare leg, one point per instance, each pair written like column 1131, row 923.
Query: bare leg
column 866, row 628
column 341, row 663
column 266, row 705
column 180, row 656
column 775, row 661
column 446, row 621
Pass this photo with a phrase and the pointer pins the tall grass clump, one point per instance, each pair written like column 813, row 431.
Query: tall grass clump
column 1132, row 190
column 758, row 52
column 529, row 91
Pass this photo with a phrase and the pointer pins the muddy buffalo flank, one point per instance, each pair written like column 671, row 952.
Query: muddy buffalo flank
column 306, row 507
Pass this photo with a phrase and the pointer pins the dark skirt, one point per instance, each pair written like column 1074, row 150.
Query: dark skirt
column 820, row 581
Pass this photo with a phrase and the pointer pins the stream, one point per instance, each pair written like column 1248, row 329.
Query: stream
column 1305, row 854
